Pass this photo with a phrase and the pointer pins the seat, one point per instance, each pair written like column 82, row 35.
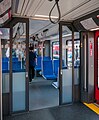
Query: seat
column 38, row 66
column 47, row 71
column 5, row 59
column 16, row 65
column 4, row 65
column 56, row 66
column 46, row 58
column 15, row 59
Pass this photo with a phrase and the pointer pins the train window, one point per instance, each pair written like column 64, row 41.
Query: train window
column 98, row 62
column 55, row 50
column 76, row 53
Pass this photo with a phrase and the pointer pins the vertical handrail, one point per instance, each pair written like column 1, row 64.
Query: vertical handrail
column 0, row 80
column 72, row 65
column 85, row 81
column 60, row 63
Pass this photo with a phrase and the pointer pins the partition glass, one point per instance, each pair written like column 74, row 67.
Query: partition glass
column 5, row 69
column 66, row 72
column 19, row 68
column 76, row 52
column 5, row 60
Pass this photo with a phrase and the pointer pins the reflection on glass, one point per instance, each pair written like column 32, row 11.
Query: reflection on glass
column 66, row 73
column 98, row 62
column 18, row 70
column 18, row 53
column 55, row 48
column 76, row 53
column 5, row 64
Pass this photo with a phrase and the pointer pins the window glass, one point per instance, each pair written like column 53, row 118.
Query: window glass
column 55, row 49
column 76, row 53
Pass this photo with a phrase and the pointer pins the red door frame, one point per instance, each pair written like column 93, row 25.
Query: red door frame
column 96, row 66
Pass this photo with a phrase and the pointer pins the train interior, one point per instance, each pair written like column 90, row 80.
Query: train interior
column 67, row 57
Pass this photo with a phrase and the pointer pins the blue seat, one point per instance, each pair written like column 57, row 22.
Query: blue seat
column 4, row 65
column 38, row 66
column 63, row 64
column 56, row 66
column 47, row 71
column 15, row 59
column 16, row 65
column 5, row 59
column 46, row 58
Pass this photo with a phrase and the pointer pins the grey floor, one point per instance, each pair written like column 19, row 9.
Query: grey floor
column 42, row 94
column 76, row 111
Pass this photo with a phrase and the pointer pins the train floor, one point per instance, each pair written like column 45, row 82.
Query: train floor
column 77, row 111
column 42, row 94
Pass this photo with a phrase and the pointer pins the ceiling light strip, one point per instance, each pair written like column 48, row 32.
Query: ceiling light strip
column 45, row 16
column 94, row 29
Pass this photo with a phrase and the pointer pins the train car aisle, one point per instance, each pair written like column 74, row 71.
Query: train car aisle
column 42, row 94
column 76, row 111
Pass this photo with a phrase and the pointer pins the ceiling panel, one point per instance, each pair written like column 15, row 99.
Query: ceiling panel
column 68, row 6
column 65, row 6
column 46, row 7
column 25, row 6
column 70, row 10
column 34, row 6
column 20, row 5
column 83, row 10
column 29, row 6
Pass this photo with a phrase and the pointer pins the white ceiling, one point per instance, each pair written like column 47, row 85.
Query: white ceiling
column 70, row 10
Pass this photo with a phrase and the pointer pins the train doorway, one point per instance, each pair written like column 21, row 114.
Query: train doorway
column 90, row 67
column 42, row 93
column 96, row 67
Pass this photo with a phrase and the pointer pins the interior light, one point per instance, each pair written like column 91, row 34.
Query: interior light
column 97, row 16
column 45, row 16
column 67, row 35
column 39, row 18
column 93, row 29
column 0, row 33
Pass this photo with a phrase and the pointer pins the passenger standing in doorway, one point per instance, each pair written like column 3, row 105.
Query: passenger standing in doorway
column 32, row 63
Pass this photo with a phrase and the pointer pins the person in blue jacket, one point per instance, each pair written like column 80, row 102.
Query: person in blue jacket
column 32, row 63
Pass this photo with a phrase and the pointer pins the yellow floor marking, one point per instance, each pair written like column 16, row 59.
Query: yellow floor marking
column 93, row 107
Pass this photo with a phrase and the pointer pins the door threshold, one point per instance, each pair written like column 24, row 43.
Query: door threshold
column 93, row 107
column 43, row 108
column 68, row 104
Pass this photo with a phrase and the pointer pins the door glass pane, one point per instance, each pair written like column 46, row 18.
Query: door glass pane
column 98, row 62
column 76, row 53
column 66, row 72
column 19, row 68
column 5, row 69
column 5, row 60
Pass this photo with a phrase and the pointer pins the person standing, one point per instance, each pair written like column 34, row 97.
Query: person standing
column 32, row 63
